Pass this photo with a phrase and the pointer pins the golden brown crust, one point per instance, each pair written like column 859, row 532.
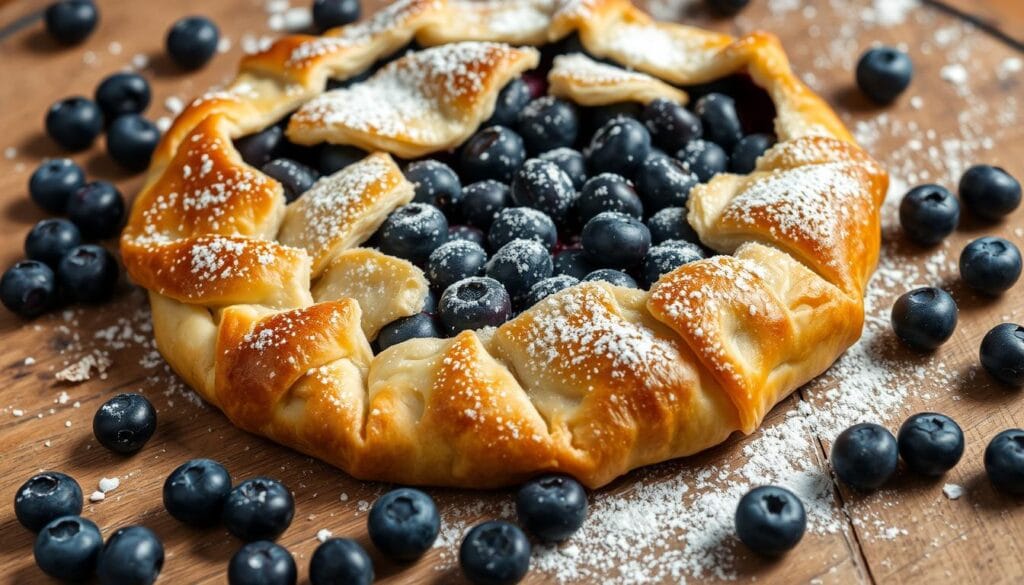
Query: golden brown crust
column 584, row 81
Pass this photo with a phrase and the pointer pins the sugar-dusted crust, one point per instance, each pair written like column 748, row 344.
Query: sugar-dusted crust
column 268, row 310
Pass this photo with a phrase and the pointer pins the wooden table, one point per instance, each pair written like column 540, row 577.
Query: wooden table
column 908, row 532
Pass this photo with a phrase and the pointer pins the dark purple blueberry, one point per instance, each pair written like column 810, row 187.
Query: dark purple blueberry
column 990, row 265
column 1004, row 461
column 571, row 162
column 54, row 182
column 931, row 444
column 194, row 493
column 295, row 177
column 123, row 93
column 262, row 563
column 611, row 276
column 883, row 73
column 548, row 287
column 329, row 14
column 1002, row 353
column 482, row 201
column 74, row 122
column 436, row 184
column 467, row 233
column 331, row 158
column 747, row 151
column 770, row 520
column 989, row 192
column 192, row 41
column 727, row 8
column 518, row 265
column 454, row 261
column 547, row 123
column 664, row 182
column 403, row 524
column 413, row 231
column 51, row 239
column 671, row 224
column 865, row 456
column 924, row 318
column 552, row 507
column 88, row 274
column 615, row 240
column 415, row 326
column 666, row 257
column 133, row 555
column 474, row 303
column 574, row 263
column 28, row 289
column 492, row 153
column 71, row 21
column 97, row 209
column 671, row 125
column 260, row 148
column 47, row 496
column 704, row 159
column 608, row 192
column 258, row 509
column 511, row 100
column 619, row 147
column 495, row 553
column 125, row 423
column 929, row 213
column 598, row 116
column 131, row 140
column 542, row 185
column 68, row 547
column 340, row 561
column 720, row 120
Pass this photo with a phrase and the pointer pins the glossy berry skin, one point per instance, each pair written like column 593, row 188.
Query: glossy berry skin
column 482, row 201
column 54, row 182
column 492, row 153
column 664, row 182
column 671, row 125
column 619, row 147
column 467, row 233
column 88, row 274
column 548, row 287
column 542, row 185
column 666, row 257
column 990, row 265
column 747, row 151
column 608, row 192
column 720, row 120
column 123, row 93
column 124, row 423
column 518, row 265
column 1002, row 353
column 930, row 443
column 495, row 553
column 262, row 563
column 50, row 240
column 436, row 184
column 571, row 162
column 1004, row 461
column 615, row 240
column 989, row 192
column 474, row 303
column 334, row 13
column 611, row 276
column 454, row 261
column 864, row 456
column 547, row 123
column 133, row 555
column 192, row 42
column 71, row 21
column 671, row 224
column 68, row 547
column 929, row 213
column 334, row 157
column 924, row 318
column 98, row 210
column 414, row 231
column 601, row 115
column 552, row 507
column 260, row 148
column 403, row 524
column 770, row 520
column 295, row 177
column 572, row 263
column 704, row 159
column 258, row 509
column 195, row 491
column 74, row 122
column 131, row 140
column 28, row 289
column 340, row 560
column 511, row 100
column 47, row 496
column 415, row 326
column 883, row 73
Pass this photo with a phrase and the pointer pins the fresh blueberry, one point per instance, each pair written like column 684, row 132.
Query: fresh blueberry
column 467, row 233
column 262, row 563
column 131, row 140
column 615, row 240
column 430, row 303
column 414, row 231
column 74, row 122
column 704, row 159
column 518, row 265
column 547, row 123
column 990, row 265
column 415, row 326
column 54, row 182
column 260, row 148
column 28, row 289
column 611, row 276
column 195, row 491
column 97, row 209
column 924, row 318
column 552, row 507
column 258, row 509
column 989, row 192
column 71, row 21
column 571, row 162
column 133, row 555
column 747, row 151
column 403, row 524
column 333, row 157
column 192, row 41
column 770, row 520
column 122, row 93
column 482, row 201
column 1004, row 461
column 727, row 8
column 47, row 496
column 671, row 224
column 495, row 553
column 864, row 456
column 340, row 561
column 608, row 192
column 474, row 303
column 671, row 125
column 334, row 13
column 883, row 73
column 492, row 153
column 68, row 547
column 929, row 213
column 620, row 147
column 666, row 257
column 930, row 443
column 50, row 240
column 124, row 423
column 88, row 274
column 1002, row 353
column 436, row 184
column 295, row 177
column 453, row 261
column 542, row 185
column 548, row 287
column 574, row 263
column 664, row 182
column 720, row 120
column 511, row 100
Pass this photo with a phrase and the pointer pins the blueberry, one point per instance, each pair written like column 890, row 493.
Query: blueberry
column 192, row 41
column 666, row 257
column 929, row 213
column 54, row 182
column 260, row 148
column 492, row 153
column 924, row 318
column 334, row 13
column 704, row 159
column 437, row 184
column 989, row 192
column 495, row 553
column 403, row 524
column 340, row 561
column 747, row 151
column 518, row 265
column 467, row 233
column 122, row 93
column 664, row 182
column 620, row 147
column 671, row 125
column 547, row 123
column 727, row 8
column 131, row 140
column 1004, row 461
column 720, row 120
column 295, row 177
column 430, row 303
column 124, row 423
column 1002, row 353
column 74, row 122
column 572, row 263
column 97, row 209
column 930, row 443
column 28, row 289
column 608, row 192
column 454, row 261
column 611, row 276
column 864, row 456
column 542, row 185
column 88, row 274
column 482, row 201
column 414, row 231
column 883, row 73
column 548, row 287
column 50, row 240
column 258, row 509
column 195, row 491
column 133, row 555
column 71, row 21
column 262, row 563
column 990, row 265
column 671, row 224
column 68, row 547
column 522, row 223
column 331, row 158
column 615, row 240
column 770, row 520
column 47, row 496
column 571, row 162
column 511, row 100
column 474, row 303
column 415, row 326
column 552, row 507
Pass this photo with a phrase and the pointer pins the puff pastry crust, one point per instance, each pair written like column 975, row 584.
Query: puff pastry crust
column 268, row 309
